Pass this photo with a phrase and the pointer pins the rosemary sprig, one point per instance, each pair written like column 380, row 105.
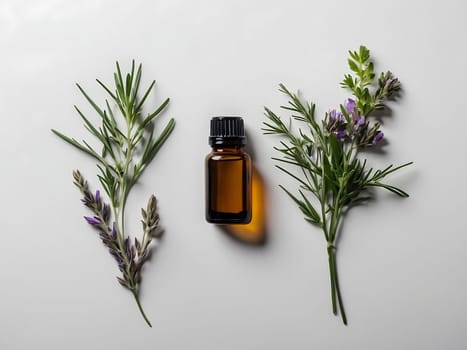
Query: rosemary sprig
column 121, row 135
column 331, row 178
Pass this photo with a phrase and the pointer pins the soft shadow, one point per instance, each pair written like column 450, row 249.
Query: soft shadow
column 379, row 149
column 379, row 116
column 254, row 233
column 370, row 196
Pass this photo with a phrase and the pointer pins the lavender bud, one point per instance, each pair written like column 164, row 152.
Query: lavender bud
column 377, row 138
column 105, row 212
column 359, row 123
column 152, row 204
column 115, row 254
column 123, row 282
column 88, row 199
column 113, row 233
column 335, row 116
column 105, row 238
column 92, row 220
column 349, row 105
column 341, row 135
column 129, row 249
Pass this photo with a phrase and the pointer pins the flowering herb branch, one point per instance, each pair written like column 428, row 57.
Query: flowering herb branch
column 121, row 136
column 331, row 178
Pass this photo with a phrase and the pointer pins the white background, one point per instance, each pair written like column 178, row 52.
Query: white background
column 401, row 262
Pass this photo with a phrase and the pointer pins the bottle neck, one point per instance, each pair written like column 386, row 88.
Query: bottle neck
column 228, row 148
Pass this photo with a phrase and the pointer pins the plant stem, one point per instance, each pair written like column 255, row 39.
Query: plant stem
column 331, row 248
column 135, row 294
column 335, row 290
column 338, row 290
column 332, row 279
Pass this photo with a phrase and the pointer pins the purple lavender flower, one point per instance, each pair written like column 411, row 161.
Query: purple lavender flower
column 105, row 212
column 129, row 249
column 359, row 122
column 341, row 134
column 392, row 84
column 377, row 138
column 335, row 116
column 349, row 105
column 98, row 196
column 113, row 233
column 105, row 238
column 118, row 258
column 92, row 220
column 88, row 199
column 337, row 125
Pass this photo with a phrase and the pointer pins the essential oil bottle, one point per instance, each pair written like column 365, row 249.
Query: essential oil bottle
column 228, row 173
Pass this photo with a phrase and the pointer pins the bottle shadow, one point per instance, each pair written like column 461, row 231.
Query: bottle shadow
column 255, row 232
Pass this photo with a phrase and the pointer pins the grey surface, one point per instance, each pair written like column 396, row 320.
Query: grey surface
column 401, row 262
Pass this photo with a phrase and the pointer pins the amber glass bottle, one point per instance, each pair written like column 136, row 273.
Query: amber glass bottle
column 228, row 173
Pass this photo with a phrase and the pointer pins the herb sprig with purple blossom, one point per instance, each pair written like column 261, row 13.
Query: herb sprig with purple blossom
column 122, row 136
column 331, row 178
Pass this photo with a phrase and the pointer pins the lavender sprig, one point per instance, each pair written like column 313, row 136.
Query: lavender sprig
column 332, row 177
column 129, row 257
column 119, row 169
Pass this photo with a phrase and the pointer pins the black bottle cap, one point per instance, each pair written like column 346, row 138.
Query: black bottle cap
column 227, row 131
